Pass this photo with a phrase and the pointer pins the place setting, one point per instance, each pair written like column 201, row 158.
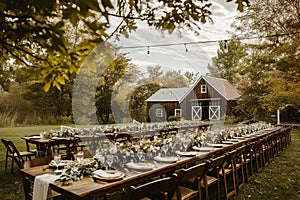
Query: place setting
column 140, row 166
column 108, row 175
column 166, row 159
column 186, row 153
column 203, row 148
column 58, row 164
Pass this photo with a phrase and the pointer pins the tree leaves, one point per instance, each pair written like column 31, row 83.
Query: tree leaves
column 46, row 27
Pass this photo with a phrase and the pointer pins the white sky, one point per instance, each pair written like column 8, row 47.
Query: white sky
column 175, row 57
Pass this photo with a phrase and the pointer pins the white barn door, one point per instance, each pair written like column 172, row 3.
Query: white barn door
column 196, row 113
column 214, row 112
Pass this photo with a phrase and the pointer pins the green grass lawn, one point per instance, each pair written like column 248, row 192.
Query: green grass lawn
column 280, row 180
column 11, row 187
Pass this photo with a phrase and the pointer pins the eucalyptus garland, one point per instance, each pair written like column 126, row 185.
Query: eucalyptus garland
column 76, row 172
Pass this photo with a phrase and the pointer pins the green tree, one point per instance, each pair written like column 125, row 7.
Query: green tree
column 229, row 60
column 54, row 104
column 107, row 81
column 36, row 34
column 191, row 77
column 137, row 104
column 173, row 79
column 270, row 78
column 169, row 79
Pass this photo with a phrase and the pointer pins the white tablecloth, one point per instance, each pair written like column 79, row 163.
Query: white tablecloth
column 41, row 188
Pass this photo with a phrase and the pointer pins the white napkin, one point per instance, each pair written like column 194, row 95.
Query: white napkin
column 41, row 188
column 107, row 174
column 166, row 159
column 140, row 166
column 186, row 153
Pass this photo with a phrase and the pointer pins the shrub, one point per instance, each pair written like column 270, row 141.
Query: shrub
column 173, row 118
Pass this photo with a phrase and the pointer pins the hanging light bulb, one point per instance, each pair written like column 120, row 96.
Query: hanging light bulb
column 148, row 50
column 186, row 49
column 277, row 43
column 225, row 46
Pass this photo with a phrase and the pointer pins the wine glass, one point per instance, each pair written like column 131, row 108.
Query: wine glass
column 140, row 155
column 57, row 159
column 165, row 149
column 79, row 156
column 109, row 160
column 186, row 143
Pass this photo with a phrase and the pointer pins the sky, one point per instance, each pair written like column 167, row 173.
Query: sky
column 197, row 57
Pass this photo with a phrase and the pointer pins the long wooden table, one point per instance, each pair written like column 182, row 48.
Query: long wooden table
column 92, row 141
column 87, row 188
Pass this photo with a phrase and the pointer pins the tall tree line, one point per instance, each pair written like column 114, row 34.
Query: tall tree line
column 265, row 70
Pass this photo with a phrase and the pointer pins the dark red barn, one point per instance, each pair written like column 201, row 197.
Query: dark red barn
column 208, row 99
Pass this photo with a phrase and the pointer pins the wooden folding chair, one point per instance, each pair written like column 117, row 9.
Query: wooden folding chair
column 257, row 155
column 239, row 166
column 212, row 176
column 227, row 171
column 15, row 155
column 190, row 182
column 158, row 189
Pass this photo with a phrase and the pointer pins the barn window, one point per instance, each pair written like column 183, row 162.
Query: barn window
column 203, row 88
column 178, row 112
column 215, row 103
column 159, row 112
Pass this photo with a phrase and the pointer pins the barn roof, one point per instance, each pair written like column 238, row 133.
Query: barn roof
column 168, row 94
column 222, row 86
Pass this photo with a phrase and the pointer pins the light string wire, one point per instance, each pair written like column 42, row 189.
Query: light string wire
column 208, row 41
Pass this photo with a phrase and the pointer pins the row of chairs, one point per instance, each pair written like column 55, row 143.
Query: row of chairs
column 218, row 178
column 198, row 181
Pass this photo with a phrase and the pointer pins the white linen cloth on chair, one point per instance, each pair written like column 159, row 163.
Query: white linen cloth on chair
column 41, row 188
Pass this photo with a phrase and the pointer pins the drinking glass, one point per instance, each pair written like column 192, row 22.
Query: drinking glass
column 186, row 143
column 57, row 159
column 79, row 156
column 165, row 149
column 140, row 155
column 109, row 160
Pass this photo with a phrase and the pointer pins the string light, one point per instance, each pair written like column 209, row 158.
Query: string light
column 225, row 46
column 277, row 43
column 209, row 41
column 186, row 50
column 148, row 50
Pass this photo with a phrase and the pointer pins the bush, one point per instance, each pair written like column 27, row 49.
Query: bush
column 7, row 119
column 173, row 118
column 231, row 119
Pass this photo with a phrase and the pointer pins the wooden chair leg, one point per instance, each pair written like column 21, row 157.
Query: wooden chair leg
column 6, row 160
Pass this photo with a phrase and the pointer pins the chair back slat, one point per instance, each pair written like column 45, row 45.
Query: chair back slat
column 163, row 186
column 13, row 152
column 37, row 162
column 192, row 174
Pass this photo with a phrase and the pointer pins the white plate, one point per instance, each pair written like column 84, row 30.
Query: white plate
column 216, row 145
column 186, row 153
column 166, row 159
column 36, row 137
column 239, row 138
column 108, row 175
column 203, row 148
column 58, row 171
column 233, row 140
column 140, row 166
column 227, row 142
